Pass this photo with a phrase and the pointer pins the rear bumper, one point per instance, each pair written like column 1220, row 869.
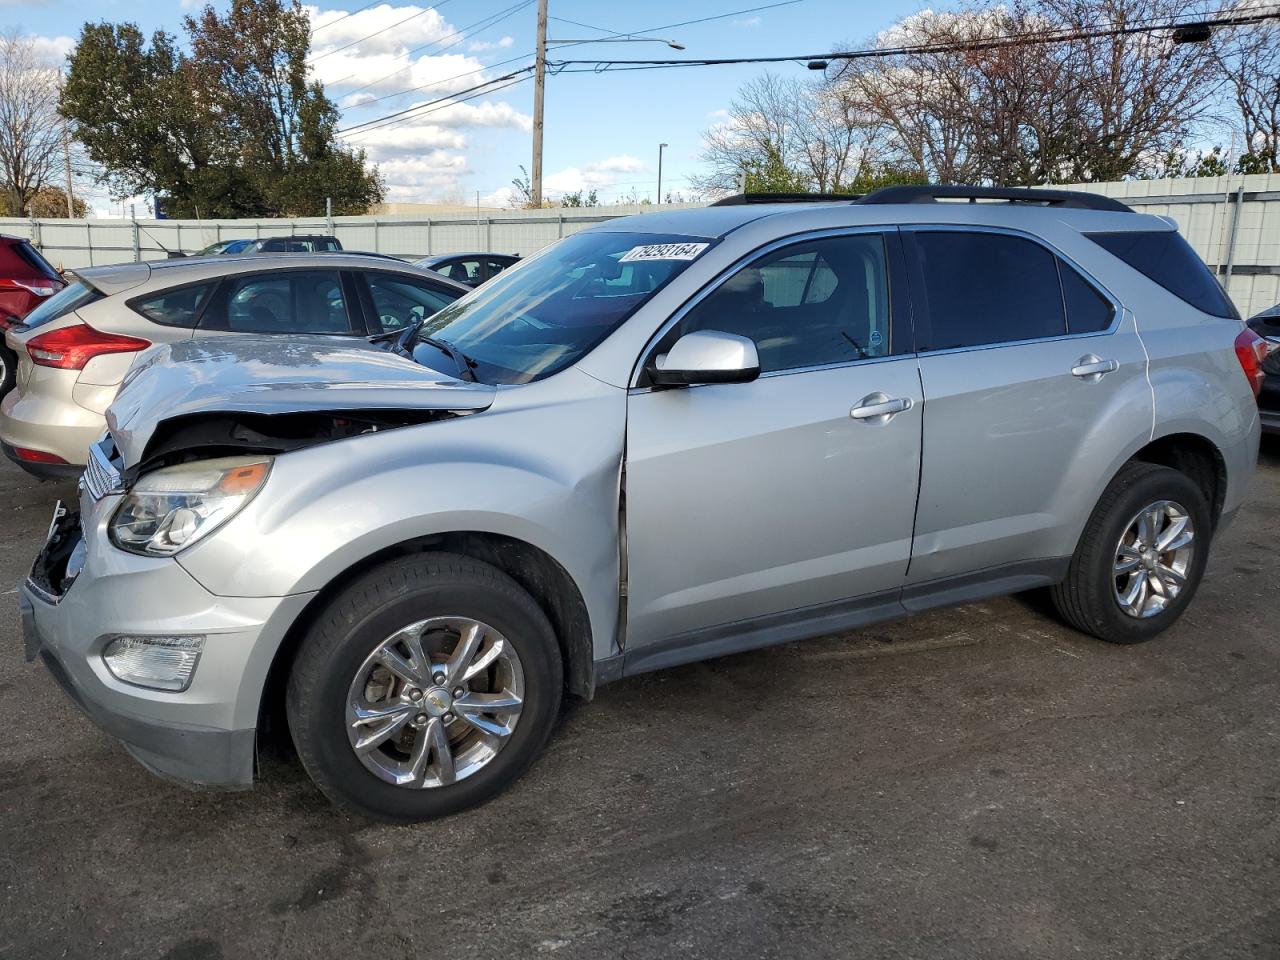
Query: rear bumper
column 43, row 471
column 39, row 422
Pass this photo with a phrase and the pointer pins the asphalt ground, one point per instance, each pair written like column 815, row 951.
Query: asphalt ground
column 976, row 782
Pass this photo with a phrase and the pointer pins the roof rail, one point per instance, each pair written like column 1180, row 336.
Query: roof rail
column 741, row 198
column 1069, row 199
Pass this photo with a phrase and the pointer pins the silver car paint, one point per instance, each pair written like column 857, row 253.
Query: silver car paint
column 545, row 461
column 275, row 375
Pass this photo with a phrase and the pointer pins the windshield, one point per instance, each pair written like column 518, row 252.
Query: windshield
column 548, row 311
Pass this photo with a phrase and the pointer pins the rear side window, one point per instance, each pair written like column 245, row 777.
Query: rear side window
column 301, row 301
column 987, row 288
column 1088, row 311
column 71, row 297
column 1164, row 257
column 179, row 307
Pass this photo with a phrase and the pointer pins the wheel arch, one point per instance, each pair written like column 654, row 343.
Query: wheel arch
column 536, row 571
column 1194, row 455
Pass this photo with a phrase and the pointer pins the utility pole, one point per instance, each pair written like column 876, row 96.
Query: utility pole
column 66, row 161
column 661, row 147
column 539, row 94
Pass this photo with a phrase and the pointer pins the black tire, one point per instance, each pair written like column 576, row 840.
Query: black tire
column 1086, row 598
column 363, row 615
column 8, row 368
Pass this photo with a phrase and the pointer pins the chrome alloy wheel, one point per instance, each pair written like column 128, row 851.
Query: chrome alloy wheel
column 1152, row 558
column 435, row 702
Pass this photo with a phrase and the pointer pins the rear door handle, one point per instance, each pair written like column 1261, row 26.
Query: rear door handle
column 879, row 407
column 1093, row 368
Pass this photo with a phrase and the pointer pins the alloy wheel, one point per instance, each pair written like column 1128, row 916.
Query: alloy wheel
column 435, row 702
column 1152, row 558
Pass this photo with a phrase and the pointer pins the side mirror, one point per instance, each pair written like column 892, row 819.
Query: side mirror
column 706, row 356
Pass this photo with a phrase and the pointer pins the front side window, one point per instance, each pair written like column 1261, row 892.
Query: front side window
column 399, row 301
column 817, row 302
column 986, row 288
column 179, row 307
column 301, row 301
column 544, row 315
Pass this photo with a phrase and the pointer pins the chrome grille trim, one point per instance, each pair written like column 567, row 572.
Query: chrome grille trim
column 101, row 478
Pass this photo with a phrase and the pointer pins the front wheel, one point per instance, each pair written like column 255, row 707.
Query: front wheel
column 425, row 688
column 1141, row 557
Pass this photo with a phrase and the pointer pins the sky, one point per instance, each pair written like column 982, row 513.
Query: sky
column 602, row 130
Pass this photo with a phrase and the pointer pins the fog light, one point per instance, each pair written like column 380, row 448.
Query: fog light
column 162, row 663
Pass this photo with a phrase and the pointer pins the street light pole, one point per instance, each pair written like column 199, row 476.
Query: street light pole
column 661, row 147
column 539, row 94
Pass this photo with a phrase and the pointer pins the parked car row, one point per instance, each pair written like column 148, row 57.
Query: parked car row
column 661, row 439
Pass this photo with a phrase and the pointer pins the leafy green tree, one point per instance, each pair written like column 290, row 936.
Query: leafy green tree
column 231, row 129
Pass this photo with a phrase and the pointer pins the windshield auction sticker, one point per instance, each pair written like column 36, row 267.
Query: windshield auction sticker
column 664, row 251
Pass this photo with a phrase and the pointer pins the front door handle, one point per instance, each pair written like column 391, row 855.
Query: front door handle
column 1093, row 368
column 879, row 408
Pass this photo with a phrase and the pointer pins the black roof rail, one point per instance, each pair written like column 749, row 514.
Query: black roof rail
column 741, row 198
column 1067, row 199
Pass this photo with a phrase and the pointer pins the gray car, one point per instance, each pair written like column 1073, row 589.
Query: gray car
column 666, row 438
column 73, row 349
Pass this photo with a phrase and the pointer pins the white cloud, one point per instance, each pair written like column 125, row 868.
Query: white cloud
column 479, row 46
column 390, row 142
column 595, row 176
column 52, row 49
column 384, row 29
column 747, row 23
column 622, row 163
column 386, row 73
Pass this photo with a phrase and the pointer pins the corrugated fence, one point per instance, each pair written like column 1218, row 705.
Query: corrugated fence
column 1233, row 223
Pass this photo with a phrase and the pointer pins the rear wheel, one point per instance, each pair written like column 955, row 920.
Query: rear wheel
column 1141, row 557
column 425, row 688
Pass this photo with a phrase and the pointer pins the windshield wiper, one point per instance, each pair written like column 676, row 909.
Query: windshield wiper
column 460, row 360
column 399, row 338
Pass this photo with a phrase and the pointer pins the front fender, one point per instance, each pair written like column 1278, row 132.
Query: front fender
column 548, row 476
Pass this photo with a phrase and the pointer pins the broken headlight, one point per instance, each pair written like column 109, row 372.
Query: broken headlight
column 172, row 508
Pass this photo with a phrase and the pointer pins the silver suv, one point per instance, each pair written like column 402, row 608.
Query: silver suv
column 667, row 438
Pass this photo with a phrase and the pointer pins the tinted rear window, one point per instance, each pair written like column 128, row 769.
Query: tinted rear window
column 71, row 297
column 1166, row 258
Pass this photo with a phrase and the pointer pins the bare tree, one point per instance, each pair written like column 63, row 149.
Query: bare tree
column 1250, row 59
column 30, row 129
column 787, row 135
column 957, row 108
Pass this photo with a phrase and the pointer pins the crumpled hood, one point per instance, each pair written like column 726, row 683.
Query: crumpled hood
column 271, row 375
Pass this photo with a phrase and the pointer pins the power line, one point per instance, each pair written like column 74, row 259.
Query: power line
column 417, row 109
column 502, row 63
column 444, row 103
column 345, row 46
column 1060, row 35
column 479, row 25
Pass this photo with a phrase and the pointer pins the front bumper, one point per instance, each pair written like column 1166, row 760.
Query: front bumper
column 202, row 736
